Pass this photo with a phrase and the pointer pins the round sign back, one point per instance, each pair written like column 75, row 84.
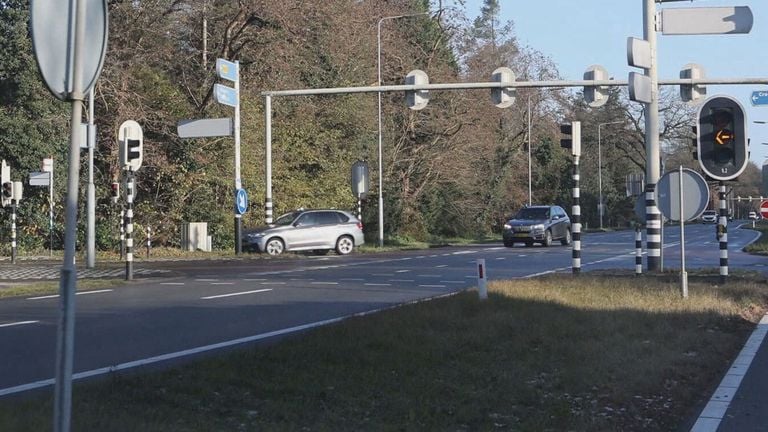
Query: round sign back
column 53, row 38
column 695, row 195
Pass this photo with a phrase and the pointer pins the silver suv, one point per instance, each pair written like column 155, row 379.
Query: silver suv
column 308, row 230
column 540, row 224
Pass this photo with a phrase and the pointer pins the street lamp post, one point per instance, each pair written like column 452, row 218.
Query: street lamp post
column 600, row 170
column 381, row 170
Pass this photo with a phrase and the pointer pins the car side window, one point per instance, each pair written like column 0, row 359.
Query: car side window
column 327, row 218
column 307, row 219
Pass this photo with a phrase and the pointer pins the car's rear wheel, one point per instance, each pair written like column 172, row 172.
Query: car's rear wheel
column 547, row 239
column 274, row 246
column 509, row 243
column 565, row 241
column 344, row 245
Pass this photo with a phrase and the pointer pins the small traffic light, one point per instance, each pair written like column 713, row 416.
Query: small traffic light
column 571, row 137
column 722, row 144
column 115, row 191
column 503, row 97
column 695, row 141
column 417, row 99
column 7, row 193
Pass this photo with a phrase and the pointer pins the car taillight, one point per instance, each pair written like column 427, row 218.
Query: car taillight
column 360, row 225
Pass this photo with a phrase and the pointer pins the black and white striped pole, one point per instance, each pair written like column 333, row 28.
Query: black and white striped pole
column 722, row 233
column 131, row 139
column 13, row 231
column 122, row 233
column 149, row 240
column 130, row 186
column 572, row 140
column 638, row 250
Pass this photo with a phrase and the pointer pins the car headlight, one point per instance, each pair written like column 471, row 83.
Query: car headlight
column 538, row 227
column 255, row 235
column 507, row 226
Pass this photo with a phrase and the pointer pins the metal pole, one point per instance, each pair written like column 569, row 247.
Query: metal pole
column 723, row 234
column 576, row 225
column 268, row 155
column 652, row 214
column 122, row 232
column 130, row 186
column 238, row 180
column 50, row 208
column 91, row 246
column 13, row 231
column 380, row 152
column 599, row 177
column 62, row 410
column 638, row 250
column 149, row 240
column 530, row 194
column 683, row 273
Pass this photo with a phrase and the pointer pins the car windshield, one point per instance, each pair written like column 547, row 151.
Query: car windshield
column 533, row 213
column 710, row 213
column 286, row 219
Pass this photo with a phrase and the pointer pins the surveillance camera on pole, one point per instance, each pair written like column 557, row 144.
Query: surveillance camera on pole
column 722, row 143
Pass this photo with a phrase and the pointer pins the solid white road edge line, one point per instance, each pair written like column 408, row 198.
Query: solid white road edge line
column 77, row 293
column 170, row 356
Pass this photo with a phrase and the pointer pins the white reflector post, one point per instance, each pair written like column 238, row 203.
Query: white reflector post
column 482, row 288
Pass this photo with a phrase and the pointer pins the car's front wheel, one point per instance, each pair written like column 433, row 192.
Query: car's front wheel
column 274, row 246
column 344, row 245
column 547, row 239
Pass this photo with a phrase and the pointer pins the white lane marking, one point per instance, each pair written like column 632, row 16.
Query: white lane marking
column 419, row 257
column 441, row 266
column 236, row 294
column 302, row 279
column 453, row 282
column 428, row 275
column 495, row 248
column 521, row 255
column 170, row 356
column 352, row 279
column 500, row 258
column 77, row 293
column 402, row 280
column 432, row 286
column 206, row 280
column 18, row 323
column 273, row 283
column 402, row 271
column 464, row 252
column 377, row 284
column 715, row 410
column 382, row 274
column 324, row 283
column 171, row 283
column 253, row 280
column 222, row 283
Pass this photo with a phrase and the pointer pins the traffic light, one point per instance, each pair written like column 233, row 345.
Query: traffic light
column 722, row 138
column 695, row 141
column 115, row 191
column 503, row 97
column 7, row 193
column 571, row 137
column 417, row 99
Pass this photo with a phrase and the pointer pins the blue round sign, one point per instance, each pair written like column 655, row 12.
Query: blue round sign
column 241, row 201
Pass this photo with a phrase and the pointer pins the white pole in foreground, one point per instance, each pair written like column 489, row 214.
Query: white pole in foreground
column 683, row 273
column 482, row 289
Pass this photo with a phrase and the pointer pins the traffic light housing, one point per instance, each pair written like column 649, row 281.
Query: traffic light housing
column 571, row 137
column 417, row 99
column 115, row 188
column 7, row 193
column 721, row 138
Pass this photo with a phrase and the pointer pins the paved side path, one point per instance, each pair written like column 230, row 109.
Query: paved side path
column 54, row 273
column 740, row 403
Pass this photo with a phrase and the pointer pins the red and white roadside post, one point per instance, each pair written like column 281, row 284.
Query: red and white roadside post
column 482, row 288
column 763, row 211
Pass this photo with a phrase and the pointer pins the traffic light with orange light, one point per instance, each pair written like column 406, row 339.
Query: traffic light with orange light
column 721, row 138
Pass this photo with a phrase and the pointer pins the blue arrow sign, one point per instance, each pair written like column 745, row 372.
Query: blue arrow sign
column 227, row 70
column 241, row 201
column 759, row 98
column 225, row 95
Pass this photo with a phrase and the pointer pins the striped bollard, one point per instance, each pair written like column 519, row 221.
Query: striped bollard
column 13, row 232
column 638, row 251
column 268, row 211
column 129, row 195
column 653, row 228
column 576, row 225
column 359, row 208
column 122, row 233
column 149, row 240
column 723, row 233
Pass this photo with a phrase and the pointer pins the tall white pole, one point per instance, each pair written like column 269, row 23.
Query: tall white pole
column 238, row 179
column 530, row 194
column 268, row 155
column 683, row 273
column 91, row 235
column 652, row 214
column 599, row 177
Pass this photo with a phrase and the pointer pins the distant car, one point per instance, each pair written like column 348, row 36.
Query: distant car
column 308, row 230
column 538, row 224
column 709, row 216
column 753, row 216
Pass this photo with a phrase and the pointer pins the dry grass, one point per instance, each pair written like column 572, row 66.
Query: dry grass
column 557, row 353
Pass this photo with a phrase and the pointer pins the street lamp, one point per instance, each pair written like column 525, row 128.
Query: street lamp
column 381, row 170
column 600, row 170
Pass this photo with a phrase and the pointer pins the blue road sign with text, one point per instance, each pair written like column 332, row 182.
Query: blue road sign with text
column 241, row 201
column 759, row 98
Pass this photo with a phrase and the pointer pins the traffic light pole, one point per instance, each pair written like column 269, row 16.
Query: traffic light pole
column 130, row 187
column 576, row 225
column 722, row 231
column 13, row 231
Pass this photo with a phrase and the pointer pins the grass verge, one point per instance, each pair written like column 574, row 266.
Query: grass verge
column 555, row 353
column 759, row 246
column 25, row 289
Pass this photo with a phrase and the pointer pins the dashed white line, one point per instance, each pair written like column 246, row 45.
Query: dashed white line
column 382, row 274
column 429, row 275
column 352, row 279
column 378, row 284
column 222, row 283
column 18, row 323
column 253, row 280
column 402, row 280
column 441, row 266
column 324, row 283
column 235, row 294
column 171, row 283
column 453, row 282
column 402, row 271
column 500, row 258
column 206, row 280
column 77, row 293
column 432, row 286
column 273, row 283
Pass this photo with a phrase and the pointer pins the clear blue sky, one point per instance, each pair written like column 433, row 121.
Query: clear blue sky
column 578, row 33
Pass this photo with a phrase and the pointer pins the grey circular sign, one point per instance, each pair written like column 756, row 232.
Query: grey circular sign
column 360, row 179
column 53, row 37
column 695, row 195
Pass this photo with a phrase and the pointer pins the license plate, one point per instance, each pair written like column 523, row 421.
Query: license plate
column 521, row 234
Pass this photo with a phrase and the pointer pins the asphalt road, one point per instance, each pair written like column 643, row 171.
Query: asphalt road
column 215, row 304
